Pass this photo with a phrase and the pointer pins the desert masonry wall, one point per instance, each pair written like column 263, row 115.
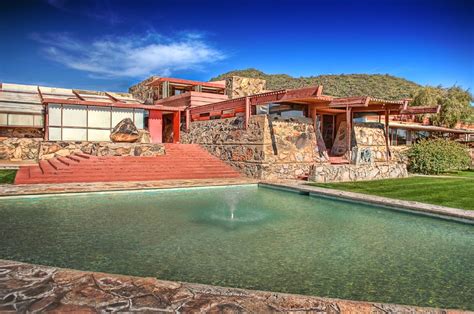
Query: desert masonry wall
column 267, row 149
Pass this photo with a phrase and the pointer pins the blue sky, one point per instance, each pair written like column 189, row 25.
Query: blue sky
column 110, row 45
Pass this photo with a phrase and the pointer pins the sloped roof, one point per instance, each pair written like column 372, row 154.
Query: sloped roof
column 30, row 98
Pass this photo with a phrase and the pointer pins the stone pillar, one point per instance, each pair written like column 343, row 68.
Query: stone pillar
column 237, row 86
column 144, row 92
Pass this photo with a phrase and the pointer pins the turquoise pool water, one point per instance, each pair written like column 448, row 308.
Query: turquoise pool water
column 249, row 237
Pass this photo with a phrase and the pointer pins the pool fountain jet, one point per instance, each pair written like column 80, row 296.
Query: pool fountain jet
column 233, row 211
column 232, row 208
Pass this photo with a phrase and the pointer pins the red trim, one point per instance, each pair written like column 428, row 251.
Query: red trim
column 77, row 95
column 95, row 103
column 46, row 125
column 420, row 109
column 183, row 81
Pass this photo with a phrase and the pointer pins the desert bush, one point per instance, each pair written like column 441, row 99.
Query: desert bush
column 435, row 156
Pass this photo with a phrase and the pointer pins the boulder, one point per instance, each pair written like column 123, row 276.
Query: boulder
column 144, row 136
column 125, row 131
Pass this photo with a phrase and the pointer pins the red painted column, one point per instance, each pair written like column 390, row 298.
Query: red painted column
column 46, row 124
column 155, row 126
column 176, row 126
column 247, row 112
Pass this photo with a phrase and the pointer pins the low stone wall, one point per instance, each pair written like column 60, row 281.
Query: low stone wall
column 56, row 149
column 16, row 149
column 345, row 173
column 22, row 132
column 266, row 149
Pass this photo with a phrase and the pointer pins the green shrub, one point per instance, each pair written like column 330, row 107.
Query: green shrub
column 436, row 156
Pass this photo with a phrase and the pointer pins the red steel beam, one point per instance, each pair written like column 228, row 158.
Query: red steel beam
column 420, row 109
column 95, row 103
column 184, row 82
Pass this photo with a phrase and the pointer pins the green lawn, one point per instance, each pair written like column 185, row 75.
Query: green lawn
column 467, row 173
column 7, row 176
column 451, row 192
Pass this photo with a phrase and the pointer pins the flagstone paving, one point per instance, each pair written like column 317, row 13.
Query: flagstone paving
column 32, row 288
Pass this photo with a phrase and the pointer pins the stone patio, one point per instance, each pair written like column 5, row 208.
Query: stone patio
column 32, row 288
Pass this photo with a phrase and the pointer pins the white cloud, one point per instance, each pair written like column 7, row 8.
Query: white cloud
column 130, row 56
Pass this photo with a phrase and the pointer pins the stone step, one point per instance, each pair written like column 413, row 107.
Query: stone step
column 179, row 162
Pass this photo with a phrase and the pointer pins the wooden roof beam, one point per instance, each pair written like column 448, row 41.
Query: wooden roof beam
column 420, row 110
column 114, row 99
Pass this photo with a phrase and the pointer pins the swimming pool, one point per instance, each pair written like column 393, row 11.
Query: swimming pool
column 249, row 237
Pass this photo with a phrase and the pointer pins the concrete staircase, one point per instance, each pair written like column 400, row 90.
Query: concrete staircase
column 181, row 161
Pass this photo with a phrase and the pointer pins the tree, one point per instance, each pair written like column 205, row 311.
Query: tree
column 455, row 104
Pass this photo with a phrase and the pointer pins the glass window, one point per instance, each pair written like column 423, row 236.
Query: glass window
column 74, row 115
column 419, row 135
column 20, row 119
column 38, row 120
column 98, row 117
column 54, row 134
column 139, row 117
column 398, row 137
column 98, row 135
column 70, row 134
column 119, row 114
column 3, row 118
column 54, row 114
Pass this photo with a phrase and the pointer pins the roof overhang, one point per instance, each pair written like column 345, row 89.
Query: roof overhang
column 183, row 82
column 377, row 105
column 95, row 103
column 429, row 128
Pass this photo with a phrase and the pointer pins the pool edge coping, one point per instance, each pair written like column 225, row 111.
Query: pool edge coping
column 31, row 190
column 214, row 295
column 457, row 214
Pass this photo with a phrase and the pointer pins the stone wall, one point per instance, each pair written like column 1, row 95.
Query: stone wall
column 371, row 136
column 345, row 173
column 237, row 86
column 16, row 149
column 267, row 149
column 56, row 149
column 143, row 92
column 21, row 132
column 365, row 136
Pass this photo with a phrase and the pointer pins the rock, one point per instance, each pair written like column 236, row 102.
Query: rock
column 63, row 152
column 144, row 136
column 125, row 131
